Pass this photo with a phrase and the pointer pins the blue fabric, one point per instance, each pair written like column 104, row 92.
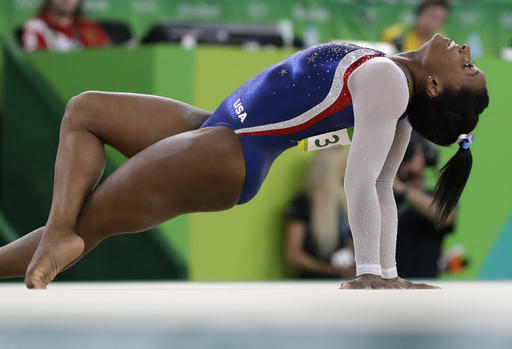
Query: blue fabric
column 279, row 93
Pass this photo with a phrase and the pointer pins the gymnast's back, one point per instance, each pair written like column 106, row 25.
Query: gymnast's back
column 306, row 94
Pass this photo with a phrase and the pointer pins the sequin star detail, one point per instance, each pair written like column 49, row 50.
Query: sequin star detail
column 283, row 71
column 311, row 59
column 336, row 49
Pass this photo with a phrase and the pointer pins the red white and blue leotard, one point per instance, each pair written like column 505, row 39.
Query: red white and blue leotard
column 304, row 95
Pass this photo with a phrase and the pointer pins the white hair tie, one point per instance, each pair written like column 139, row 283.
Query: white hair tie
column 465, row 140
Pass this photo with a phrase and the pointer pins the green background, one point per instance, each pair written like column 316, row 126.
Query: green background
column 334, row 19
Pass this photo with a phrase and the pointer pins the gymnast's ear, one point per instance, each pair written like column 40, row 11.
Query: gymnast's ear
column 433, row 86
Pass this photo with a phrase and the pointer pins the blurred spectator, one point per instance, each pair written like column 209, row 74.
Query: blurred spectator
column 318, row 241
column 430, row 18
column 419, row 242
column 59, row 26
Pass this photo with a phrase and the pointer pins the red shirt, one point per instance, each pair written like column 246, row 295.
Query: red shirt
column 43, row 33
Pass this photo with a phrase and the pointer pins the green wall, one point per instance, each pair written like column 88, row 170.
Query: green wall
column 244, row 243
column 486, row 203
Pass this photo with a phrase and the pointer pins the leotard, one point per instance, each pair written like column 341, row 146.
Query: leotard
column 304, row 95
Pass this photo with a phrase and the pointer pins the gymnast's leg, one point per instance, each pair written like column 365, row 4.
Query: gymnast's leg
column 200, row 170
column 127, row 122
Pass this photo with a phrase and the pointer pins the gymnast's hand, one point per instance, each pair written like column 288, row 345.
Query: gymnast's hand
column 368, row 282
column 404, row 284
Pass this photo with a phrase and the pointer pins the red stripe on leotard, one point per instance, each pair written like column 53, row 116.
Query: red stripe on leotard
column 343, row 100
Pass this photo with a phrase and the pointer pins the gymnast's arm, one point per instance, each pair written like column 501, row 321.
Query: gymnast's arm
column 380, row 95
column 388, row 209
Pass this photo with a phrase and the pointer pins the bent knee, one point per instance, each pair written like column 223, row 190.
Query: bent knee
column 79, row 110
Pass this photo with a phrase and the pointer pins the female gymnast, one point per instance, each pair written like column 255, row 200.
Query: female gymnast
column 183, row 159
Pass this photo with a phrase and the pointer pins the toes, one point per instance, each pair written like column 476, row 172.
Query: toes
column 34, row 285
column 33, row 282
column 30, row 284
column 51, row 257
column 34, row 278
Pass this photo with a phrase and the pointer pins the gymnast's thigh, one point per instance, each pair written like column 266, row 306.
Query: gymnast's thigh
column 196, row 171
column 131, row 122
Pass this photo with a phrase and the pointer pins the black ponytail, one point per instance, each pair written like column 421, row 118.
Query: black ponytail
column 451, row 179
column 441, row 120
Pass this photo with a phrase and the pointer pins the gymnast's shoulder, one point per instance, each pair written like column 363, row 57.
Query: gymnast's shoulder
column 382, row 80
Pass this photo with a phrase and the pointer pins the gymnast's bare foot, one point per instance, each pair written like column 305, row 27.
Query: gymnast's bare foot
column 368, row 282
column 55, row 251
column 404, row 284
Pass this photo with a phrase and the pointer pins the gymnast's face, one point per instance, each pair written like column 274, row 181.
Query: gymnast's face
column 448, row 65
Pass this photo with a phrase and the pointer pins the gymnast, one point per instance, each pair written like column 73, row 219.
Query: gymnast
column 182, row 159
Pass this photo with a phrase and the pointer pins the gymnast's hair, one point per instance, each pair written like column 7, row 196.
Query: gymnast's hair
column 441, row 120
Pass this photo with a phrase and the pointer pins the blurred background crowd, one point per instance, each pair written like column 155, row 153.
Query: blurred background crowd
column 199, row 52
